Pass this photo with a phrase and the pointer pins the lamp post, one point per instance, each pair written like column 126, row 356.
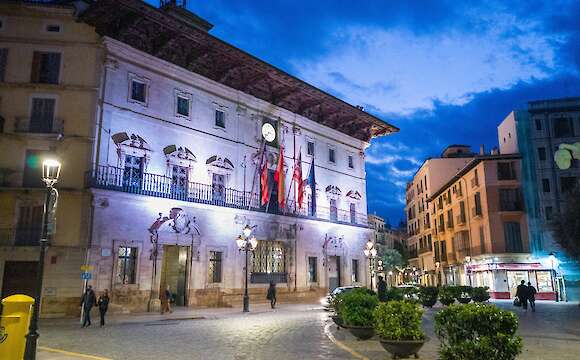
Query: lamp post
column 390, row 278
column 553, row 259
column 246, row 243
column 370, row 252
column 50, row 173
column 437, row 264
column 467, row 268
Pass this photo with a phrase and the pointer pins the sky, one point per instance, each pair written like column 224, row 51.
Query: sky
column 444, row 72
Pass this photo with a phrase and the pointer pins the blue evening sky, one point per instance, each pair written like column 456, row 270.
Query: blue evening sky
column 442, row 71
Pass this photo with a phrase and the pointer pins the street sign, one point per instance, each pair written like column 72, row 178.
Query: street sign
column 86, row 276
column 86, row 268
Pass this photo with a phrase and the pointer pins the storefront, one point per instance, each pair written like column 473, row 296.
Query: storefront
column 504, row 278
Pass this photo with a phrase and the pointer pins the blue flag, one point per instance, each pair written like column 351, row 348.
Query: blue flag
column 312, row 183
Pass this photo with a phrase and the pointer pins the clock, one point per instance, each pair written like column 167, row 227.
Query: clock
column 268, row 132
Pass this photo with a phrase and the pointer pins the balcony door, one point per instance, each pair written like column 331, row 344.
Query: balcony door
column 133, row 172
column 179, row 181
column 218, row 187
column 42, row 115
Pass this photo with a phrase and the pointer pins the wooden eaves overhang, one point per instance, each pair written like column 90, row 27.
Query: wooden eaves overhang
column 159, row 33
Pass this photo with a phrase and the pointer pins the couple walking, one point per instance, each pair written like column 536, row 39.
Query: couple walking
column 89, row 300
column 527, row 293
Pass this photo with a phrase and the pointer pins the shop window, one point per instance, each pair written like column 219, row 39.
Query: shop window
column 126, row 265
column 215, row 267
column 45, row 67
column 355, row 274
column 544, row 281
column 513, row 237
column 312, row 269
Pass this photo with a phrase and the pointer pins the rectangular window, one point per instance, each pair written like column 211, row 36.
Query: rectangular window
column 126, row 265
column 183, row 104
column 33, row 169
column 510, row 200
column 310, row 148
column 538, row 125
column 549, row 213
column 546, row 185
column 312, row 269
column 269, row 262
column 220, row 118
column 138, row 91
column 29, row 226
column 53, row 28
column 450, row 218
column 3, row 62
column 215, row 267
column 41, row 115
column 462, row 218
column 350, row 162
column 477, row 208
column 331, row 156
column 568, row 183
column 355, row 277
column 513, row 237
column 542, row 153
column 506, row 171
column 45, row 67
column 443, row 251
column 563, row 127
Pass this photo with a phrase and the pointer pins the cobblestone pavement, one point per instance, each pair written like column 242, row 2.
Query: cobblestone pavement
column 289, row 332
column 552, row 332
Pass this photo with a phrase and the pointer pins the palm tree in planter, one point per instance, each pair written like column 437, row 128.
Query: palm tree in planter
column 356, row 312
column 398, row 324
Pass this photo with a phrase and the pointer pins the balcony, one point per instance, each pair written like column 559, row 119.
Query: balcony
column 510, row 206
column 441, row 228
column 20, row 236
column 112, row 178
column 476, row 211
column 474, row 182
column 460, row 219
column 424, row 250
column 450, row 223
column 39, row 126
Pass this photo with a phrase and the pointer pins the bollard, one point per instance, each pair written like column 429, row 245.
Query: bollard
column 14, row 322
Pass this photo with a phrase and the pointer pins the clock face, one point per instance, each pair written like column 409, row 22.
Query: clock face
column 268, row 132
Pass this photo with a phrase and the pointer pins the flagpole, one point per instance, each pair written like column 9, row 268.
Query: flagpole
column 263, row 147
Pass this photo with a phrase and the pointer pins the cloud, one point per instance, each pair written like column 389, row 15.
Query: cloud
column 398, row 71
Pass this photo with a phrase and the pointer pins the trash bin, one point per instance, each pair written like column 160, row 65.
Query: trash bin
column 14, row 322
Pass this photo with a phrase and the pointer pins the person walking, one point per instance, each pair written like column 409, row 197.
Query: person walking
column 532, row 296
column 382, row 289
column 103, row 304
column 272, row 294
column 522, row 294
column 166, row 301
column 88, row 300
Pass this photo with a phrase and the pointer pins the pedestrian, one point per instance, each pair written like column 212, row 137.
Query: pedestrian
column 532, row 296
column 166, row 301
column 382, row 289
column 272, row 294
column 103, row 304
column 522, row 294
column 88, row 300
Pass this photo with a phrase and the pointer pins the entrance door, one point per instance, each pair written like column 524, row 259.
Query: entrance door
column 514, row 279
column 174, row 272
column 333, row 272
column 19, row 278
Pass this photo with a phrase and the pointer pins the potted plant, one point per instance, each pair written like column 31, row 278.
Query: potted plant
column 428, row 295
column 334, row 304
column 356, row 312
column 477, row 332
column 480, row 294
column 398, row 324
column 446, row 296
column 464, row 294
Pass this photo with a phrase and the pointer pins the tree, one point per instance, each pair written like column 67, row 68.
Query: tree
column 567, row 225
column 391, row 258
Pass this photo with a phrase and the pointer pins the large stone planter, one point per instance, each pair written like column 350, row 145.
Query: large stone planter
column 361, row 332
column 337, row 320
column 403, row 348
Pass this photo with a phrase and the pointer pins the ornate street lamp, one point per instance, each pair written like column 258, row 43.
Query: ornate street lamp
column 246, row 243
column 370, row 252
column 50, row 173
column 467, row 268
column 437, row 265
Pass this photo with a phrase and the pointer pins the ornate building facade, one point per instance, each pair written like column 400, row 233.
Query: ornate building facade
column 187, row 129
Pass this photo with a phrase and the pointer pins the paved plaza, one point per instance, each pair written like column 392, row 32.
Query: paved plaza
column 289, row 332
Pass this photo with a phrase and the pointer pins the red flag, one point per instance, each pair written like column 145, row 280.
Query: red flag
column 264, row 182
column 297, row 177
column 279, row 178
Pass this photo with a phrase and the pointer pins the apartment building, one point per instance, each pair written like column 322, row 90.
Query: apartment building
column 432, row 174
column 481, row 233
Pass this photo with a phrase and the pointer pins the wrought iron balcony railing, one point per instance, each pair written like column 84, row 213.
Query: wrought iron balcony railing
column 114, row 178
column 42, row 126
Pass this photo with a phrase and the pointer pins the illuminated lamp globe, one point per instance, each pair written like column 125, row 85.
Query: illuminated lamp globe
column 50, row 171
column 247, row 230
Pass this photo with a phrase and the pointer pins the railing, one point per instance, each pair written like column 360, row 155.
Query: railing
column 113, row 178
column 266, row 278
column 460, row 219
column 27, row 236
column 510, row 206
column 450, row 223
column 476, row 211
column 474, row 182
column 29, row 125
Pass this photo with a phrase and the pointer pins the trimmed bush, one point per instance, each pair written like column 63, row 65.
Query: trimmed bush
column 446, row 295
column 477, row 332
column 357, row 306
column 394, row 293
column 410, row 294
column 428, row 295
column 480, row 294
column 399, row 320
